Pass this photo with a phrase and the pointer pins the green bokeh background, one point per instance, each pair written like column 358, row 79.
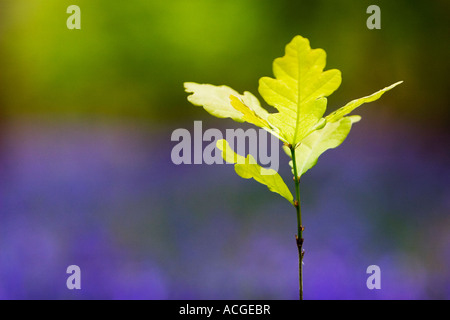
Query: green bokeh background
column 131, row 58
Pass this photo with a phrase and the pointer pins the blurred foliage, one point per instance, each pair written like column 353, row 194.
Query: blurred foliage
column 131, row 58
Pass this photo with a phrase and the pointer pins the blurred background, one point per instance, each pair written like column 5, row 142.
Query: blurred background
column 86, row 176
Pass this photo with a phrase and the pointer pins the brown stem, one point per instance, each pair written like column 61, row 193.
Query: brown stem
column 301, row 253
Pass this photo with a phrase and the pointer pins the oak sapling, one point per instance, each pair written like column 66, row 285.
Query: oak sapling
column 298, row 92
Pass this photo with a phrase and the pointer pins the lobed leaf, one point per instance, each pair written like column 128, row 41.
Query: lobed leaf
column 216, row 101
column 299, row 89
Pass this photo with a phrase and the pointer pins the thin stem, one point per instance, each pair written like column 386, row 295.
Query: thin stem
column 299, row 236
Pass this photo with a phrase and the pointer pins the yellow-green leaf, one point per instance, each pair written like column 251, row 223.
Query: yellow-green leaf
column 248, row 114
column 216, row 101
column 352, row 105
column 330, row 136
column 247, row 168
column 299, row 89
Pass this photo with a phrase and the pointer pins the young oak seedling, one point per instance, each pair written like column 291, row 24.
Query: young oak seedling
column 299, row 93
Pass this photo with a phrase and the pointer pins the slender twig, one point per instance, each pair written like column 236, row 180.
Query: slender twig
column 299, row 236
